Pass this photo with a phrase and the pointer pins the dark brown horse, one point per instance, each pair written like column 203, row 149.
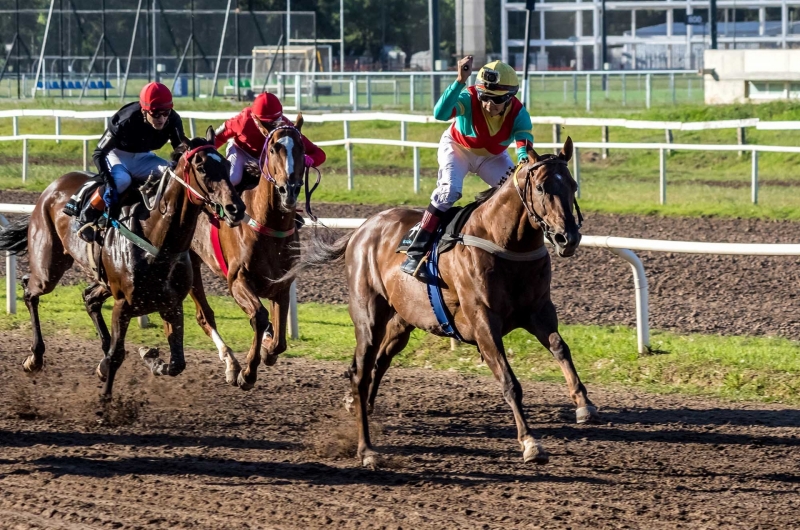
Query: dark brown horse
column 487, row 295
column 139, row 282
column 256, row 253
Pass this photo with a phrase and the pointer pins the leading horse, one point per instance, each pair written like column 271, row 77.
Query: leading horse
column 487, row 294
column 140, row 282
column 250, row 257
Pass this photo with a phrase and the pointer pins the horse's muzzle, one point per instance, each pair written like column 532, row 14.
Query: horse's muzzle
column 566, row 243
column 235, row 214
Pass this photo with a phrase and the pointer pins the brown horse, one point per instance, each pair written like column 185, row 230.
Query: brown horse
column 140, row 282
column 256, row 254
column 487, row 295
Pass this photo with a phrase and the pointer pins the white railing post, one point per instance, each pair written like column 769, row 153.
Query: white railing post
column 355, row 94
column 588, row 92
column 58, row 129
column 349, row 149
column 86, row 155
column 298, row 96
column 662, row 176
column 411, row 92
column 15, row 125
column 403, row 134
column 576, row 170
column 192, row 130
column 642, row 307
column 144, row 322
column 293, row 324
column 11, row 277
column 648, row 85
column 369, row 92
column 416, row 169
column 624, row 92
column 754, row 177
column 24, row 159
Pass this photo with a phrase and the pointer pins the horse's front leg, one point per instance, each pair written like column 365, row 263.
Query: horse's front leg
column 93, row 298
column 275, row 344
column 206, row 320
column 259, row 321
column 544, row 326
column 489, row 336
column 107, row 369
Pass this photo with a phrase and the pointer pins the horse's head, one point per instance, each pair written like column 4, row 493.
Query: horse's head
column 283, row 160
column 207, row 173
column 549, row 195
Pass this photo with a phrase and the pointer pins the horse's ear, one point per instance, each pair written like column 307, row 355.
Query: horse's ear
column 533, row 156
column 210, row 135
column 298, row 123
column 566, row 151
column 261, row 127
column 186, row 143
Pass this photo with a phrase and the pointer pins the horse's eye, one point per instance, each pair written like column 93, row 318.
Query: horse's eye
column 272, row 150
column 539, row 189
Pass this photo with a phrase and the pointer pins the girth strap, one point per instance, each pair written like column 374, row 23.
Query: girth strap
column 500, row 252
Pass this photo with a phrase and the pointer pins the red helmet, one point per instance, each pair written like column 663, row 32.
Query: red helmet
column 155, row 96
column 267, row 107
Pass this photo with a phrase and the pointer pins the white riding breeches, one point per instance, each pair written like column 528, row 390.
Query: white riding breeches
column 238, row 158
column 455, row 161
column 127, row 167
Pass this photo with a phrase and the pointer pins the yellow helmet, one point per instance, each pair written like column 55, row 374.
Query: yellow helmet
column 497, row 79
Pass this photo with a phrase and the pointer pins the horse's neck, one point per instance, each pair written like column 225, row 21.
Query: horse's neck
column 264, row 205
column 172, row 231
column 503, row 220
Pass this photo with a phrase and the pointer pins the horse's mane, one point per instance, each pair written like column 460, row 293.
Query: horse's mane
column 485, row 195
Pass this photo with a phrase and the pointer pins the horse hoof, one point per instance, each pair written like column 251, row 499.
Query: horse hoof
column 231, row 376
column 148, row 353
column 102, row 370
column 30, row 365
column 243, row 384
column 534, row 452
column 176, row 369
column 270, row 359
column 587, row 414
column 371, row 460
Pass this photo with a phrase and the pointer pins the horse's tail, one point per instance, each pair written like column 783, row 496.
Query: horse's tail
column 322, row 249
column 14, row 237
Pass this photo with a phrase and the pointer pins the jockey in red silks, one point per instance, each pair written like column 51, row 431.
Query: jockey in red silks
column 488, row 117
column 246, row 141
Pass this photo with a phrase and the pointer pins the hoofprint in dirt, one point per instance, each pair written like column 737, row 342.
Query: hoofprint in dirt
column 195, row 453
column 732, row 295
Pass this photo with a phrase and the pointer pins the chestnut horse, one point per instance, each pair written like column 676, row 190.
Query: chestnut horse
column 487, row 295
column 139, row 282
column 259, row 251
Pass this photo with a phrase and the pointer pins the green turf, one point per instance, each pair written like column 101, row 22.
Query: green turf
column 765, row 369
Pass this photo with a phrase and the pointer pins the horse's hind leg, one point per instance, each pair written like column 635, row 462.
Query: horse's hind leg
column 205, row 318
column 544, row 326
column 395, row 339
column 48, row 262
column 259, row 321
column 370, row 315
column 93, row 298
column 490, row 343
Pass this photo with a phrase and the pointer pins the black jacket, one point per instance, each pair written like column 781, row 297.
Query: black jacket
column 129, row 131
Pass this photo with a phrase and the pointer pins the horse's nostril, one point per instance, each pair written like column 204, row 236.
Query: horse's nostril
column 561, row 239
column 231, row 208
column 282, row 190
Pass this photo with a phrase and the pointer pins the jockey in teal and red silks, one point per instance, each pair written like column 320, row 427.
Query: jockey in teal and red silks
column 487, row 119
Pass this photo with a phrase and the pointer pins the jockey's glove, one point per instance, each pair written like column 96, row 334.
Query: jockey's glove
column 309, row 161
column 110, row 196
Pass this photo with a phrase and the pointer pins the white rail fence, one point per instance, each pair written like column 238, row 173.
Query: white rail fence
column 621, row 246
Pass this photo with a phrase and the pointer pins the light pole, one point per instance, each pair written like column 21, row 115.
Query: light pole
column 530, row 6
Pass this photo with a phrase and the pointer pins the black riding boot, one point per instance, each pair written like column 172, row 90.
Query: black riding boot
column 87, row 222
column 416, row 251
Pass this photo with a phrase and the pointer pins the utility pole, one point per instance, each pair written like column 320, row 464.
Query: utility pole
column 712, row 22
column 530, row 6
column 433, row 34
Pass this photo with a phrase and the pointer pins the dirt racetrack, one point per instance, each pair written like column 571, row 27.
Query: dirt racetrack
column 194, row 453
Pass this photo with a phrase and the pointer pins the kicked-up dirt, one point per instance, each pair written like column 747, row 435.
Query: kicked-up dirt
column 194, row 453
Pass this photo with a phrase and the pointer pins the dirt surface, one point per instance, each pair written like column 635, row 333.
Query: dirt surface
column 194, row 453
column 688, row 293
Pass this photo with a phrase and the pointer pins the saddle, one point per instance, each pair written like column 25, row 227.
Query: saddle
column 449, row 232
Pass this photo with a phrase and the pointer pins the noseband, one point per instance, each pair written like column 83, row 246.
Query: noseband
column 526, row 191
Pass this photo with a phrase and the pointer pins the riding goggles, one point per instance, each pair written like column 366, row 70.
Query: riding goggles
column 497, row 100
column 159, row 113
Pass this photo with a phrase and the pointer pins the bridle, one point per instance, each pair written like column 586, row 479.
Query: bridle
column 263, row 163
column 549, row 233
column 195, row 197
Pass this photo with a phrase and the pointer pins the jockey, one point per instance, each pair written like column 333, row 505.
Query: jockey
column 487, row 118
column 124, row 153
column 246, row 141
